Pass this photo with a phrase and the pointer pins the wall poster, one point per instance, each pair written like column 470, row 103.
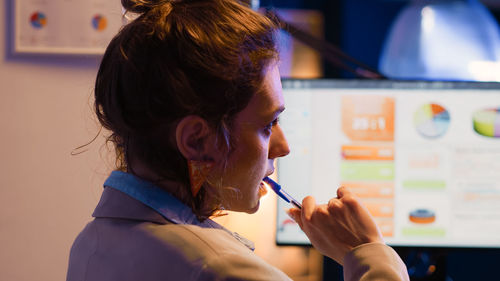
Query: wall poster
column 65, row 26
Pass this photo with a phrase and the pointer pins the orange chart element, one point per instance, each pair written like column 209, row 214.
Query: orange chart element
column 386, row 227
column 380, row 209
column 357, row 152
column 371, row 190
column 368, row 118
column 422, row 216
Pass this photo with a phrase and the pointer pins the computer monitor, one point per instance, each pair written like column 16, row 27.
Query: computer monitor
column 423, row 157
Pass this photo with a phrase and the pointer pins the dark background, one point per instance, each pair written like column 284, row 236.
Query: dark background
column 359, row 28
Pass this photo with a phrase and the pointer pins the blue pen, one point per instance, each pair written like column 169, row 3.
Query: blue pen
column 281, row 193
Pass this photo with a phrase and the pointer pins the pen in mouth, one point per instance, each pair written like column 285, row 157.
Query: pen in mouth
column 281, row 193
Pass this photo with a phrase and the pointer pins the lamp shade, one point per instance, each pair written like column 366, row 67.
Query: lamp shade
column 443, row 40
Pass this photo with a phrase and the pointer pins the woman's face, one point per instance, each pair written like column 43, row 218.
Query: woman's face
column 258, row 141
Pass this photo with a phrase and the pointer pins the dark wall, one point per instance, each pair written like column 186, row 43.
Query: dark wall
column 364, row 24
column 358, row 27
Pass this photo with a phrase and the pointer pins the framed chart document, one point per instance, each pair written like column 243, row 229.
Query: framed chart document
column 65, row 26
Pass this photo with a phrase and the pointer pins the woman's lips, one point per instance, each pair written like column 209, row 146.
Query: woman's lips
column 262, row 189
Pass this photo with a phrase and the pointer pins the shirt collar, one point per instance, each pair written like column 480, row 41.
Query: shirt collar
column 163, row 202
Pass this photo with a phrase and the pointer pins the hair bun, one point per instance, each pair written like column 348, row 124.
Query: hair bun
column 141, row 6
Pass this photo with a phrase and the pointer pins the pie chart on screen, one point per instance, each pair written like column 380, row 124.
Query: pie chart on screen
column 487, row 122
column 38, row 20
column 431, row 120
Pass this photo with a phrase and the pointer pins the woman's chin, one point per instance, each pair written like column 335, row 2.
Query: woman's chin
column 254, row 209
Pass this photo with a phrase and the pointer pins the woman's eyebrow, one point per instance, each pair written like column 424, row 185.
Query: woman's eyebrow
column 273, row 111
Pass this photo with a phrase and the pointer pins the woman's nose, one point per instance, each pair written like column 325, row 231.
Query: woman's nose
column 278, row 146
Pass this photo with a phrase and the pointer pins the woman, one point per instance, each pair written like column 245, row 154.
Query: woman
column 191, row 95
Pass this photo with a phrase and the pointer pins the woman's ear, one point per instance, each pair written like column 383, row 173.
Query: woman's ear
column 195, row 139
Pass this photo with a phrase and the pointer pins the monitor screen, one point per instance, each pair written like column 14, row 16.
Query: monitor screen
column 423, row 157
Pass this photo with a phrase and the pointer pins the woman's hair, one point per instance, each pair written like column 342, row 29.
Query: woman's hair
column 179, row 58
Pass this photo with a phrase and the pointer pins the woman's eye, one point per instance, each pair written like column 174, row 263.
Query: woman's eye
column 270, row 126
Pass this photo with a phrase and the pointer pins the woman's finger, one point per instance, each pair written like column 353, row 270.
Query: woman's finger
column 308, row 206
column 343, row 191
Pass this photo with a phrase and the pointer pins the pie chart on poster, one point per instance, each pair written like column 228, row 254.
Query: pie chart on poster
column 99, row 22
column 38, row 20
column 431, row 120
column 487, row 122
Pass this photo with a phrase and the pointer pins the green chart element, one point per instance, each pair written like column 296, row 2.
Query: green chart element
column 423, row 232
column 424, row 184
column 487, row 122
column 367, row 171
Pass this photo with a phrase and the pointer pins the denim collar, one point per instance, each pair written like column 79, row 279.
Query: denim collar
column 163, row 202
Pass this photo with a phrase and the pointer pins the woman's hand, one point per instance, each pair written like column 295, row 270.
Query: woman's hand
column 336, row 228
